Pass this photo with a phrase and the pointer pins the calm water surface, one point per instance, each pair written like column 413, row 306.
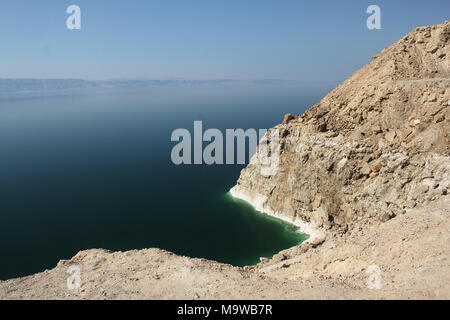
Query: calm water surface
column 92, row 169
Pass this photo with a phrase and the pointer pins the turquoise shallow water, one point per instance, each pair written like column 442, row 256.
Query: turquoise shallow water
column 92, row 169
column 286, row 233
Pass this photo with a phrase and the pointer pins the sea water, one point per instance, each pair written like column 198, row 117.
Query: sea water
column 92, row 169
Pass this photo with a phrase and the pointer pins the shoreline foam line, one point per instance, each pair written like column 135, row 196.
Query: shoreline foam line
column 257, row 201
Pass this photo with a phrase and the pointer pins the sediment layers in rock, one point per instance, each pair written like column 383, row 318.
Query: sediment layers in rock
column 375, row 146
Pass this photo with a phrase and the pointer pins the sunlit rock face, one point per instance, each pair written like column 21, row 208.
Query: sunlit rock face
column 375, row 146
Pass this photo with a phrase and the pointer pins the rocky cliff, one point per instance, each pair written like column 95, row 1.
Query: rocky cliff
column 375, row 146
column 370, row 161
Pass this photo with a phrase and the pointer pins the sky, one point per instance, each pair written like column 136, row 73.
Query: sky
column 202, row 39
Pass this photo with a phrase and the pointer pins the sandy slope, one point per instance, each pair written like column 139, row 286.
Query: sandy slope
column 412, row 251
column 369, row 164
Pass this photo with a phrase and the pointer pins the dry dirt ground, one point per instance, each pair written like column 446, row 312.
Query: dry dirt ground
column 411, row 251
column 370, row 163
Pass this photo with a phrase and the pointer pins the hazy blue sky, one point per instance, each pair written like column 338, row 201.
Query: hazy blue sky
column 202, row 39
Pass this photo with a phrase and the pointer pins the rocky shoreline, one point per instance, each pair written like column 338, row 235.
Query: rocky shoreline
column 411, row 252
column 315, row 233
column 365, row 172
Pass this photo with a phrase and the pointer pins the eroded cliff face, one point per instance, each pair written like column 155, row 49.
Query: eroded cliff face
column 375, row 146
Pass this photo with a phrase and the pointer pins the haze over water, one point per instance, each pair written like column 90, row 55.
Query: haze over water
column 92, row 169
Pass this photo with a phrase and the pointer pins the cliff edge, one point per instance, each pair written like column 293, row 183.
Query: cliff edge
column 375, row 146
column 369, row 164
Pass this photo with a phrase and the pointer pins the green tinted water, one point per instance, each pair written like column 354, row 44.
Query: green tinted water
column 93, row 170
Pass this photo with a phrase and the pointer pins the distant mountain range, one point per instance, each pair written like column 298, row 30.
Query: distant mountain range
column 36, row 85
